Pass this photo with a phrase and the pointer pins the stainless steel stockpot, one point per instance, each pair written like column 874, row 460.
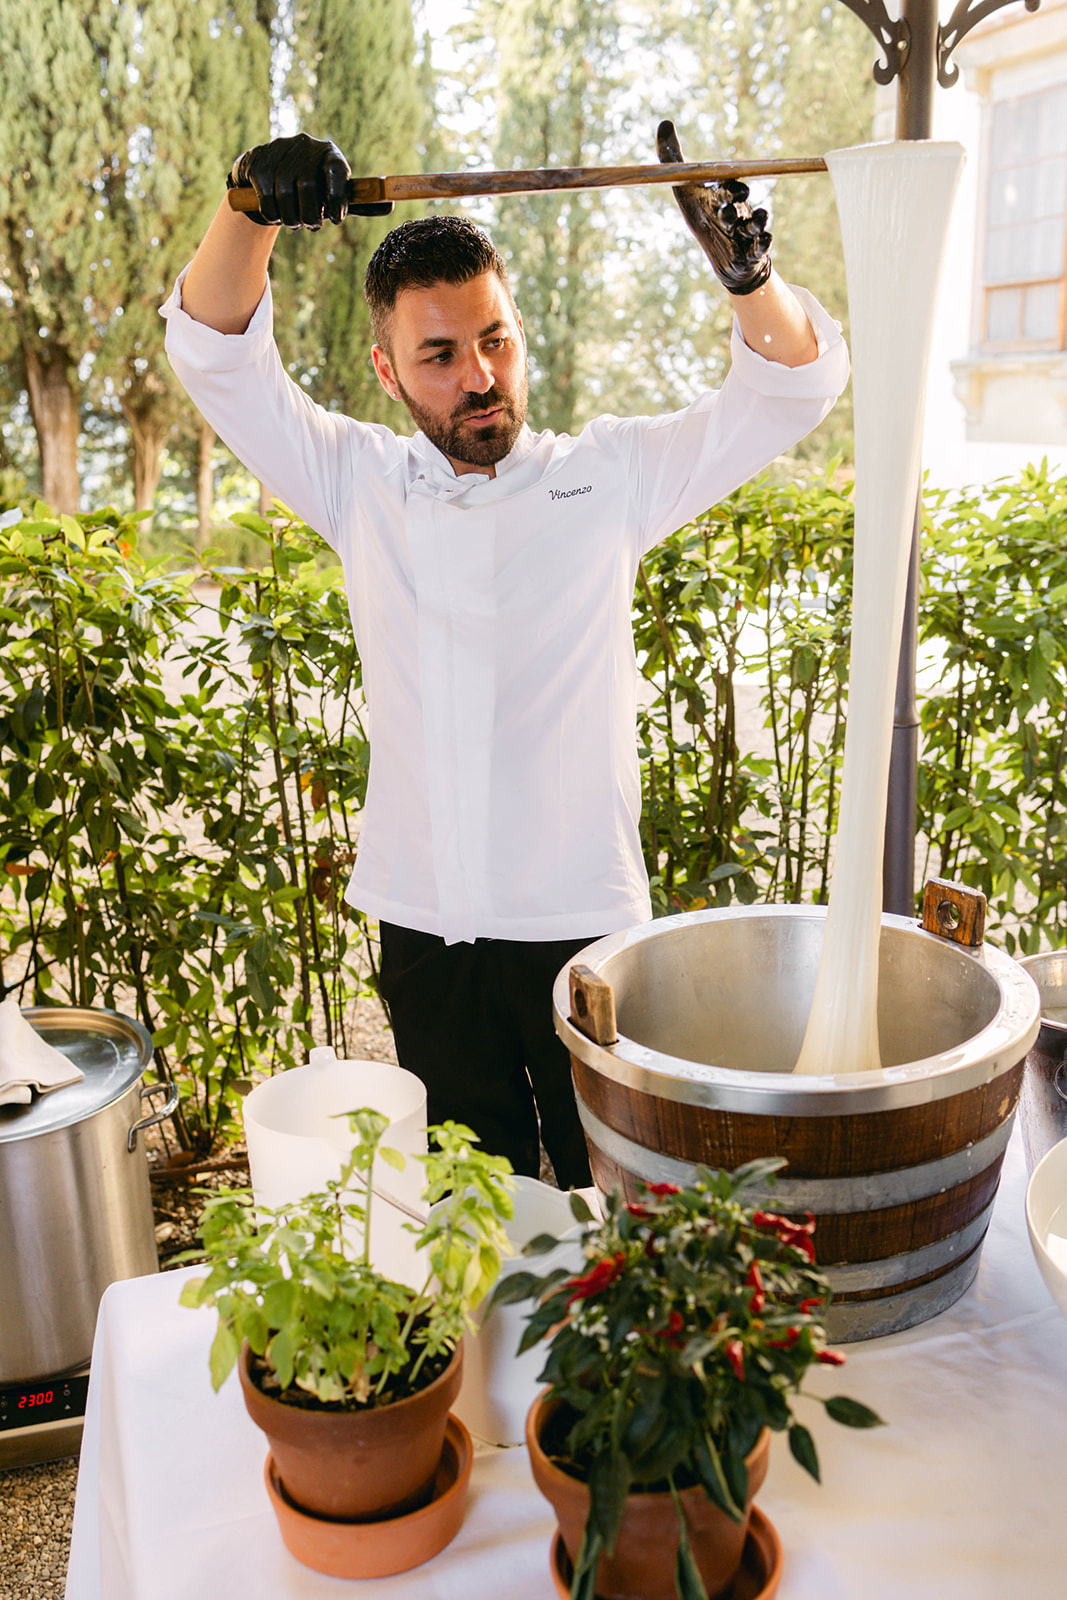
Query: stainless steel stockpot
column 75, row 1203
column 1043, row 1103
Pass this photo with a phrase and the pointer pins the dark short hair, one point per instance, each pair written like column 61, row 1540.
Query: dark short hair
column 420, row 253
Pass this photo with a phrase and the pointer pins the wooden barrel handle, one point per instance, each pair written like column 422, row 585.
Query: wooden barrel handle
column 953, row 911
column 593, row 1005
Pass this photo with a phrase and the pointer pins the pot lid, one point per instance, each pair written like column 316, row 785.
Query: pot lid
column 112, row 1052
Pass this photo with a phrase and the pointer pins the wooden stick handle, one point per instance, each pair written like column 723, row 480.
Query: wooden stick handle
column 543, row 180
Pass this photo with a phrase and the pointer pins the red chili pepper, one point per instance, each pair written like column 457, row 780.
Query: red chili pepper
column 735, row 1354
column 807, row 1306
column 832, row 1358
column 672, row 1333
column 799, row 1239
column 640, row 1212
column 595, row 1281
column 662, row 1188
column 771, row 1219
column 787, row 1342
column 755, row 1283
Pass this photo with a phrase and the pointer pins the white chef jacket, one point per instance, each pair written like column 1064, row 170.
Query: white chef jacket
column 492, row 618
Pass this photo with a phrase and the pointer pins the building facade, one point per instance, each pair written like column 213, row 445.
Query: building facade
column 997, row 396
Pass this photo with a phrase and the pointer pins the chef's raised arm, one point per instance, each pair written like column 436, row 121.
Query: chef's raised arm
column 299, row 182
column 220, row 335
column 735, row 240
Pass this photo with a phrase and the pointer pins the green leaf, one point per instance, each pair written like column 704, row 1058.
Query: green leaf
column 852, row 1413
column 540, row 1244
column 36, row 886
column 281, row 1352
column 687, row 1579
column 224, row 1350
column 253, row 522
column 171, row 780
column 802, row 1446
column 609, row 1484
column 712, row 1476
column 583, row 1585
column 18, row 781
column 32, row 708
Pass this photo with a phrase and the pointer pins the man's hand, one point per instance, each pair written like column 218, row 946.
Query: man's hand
column 732, row 236
column 299, row 182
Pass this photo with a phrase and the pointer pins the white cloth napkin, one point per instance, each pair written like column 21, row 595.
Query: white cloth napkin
column 28, row 1062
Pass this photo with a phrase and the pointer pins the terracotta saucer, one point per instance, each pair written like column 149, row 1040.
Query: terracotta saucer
column 758, row 1578
column 378, row 1549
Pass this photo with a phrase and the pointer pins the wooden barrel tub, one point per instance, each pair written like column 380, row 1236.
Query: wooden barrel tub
column 900, row 1166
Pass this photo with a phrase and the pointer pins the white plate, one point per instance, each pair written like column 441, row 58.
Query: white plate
column 1046, row 1218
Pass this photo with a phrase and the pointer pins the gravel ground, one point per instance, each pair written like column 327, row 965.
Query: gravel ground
column 37, row 1503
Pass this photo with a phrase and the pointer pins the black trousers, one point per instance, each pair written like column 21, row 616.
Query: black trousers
column 474, row 1022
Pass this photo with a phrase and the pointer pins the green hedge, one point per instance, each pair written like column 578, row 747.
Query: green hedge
column 179, row 797
column 183, row 853
column 759, row 589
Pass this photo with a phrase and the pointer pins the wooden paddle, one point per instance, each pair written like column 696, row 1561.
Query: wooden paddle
column 538, row 180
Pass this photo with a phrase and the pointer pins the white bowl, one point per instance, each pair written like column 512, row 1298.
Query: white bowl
column 1046, row 1218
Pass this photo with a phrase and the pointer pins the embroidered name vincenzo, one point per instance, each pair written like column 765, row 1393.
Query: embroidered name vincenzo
column 567, row 494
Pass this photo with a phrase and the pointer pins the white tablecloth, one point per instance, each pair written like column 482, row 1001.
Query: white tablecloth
column 963, row 1496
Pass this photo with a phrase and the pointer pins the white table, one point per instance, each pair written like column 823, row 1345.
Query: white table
column 963, row 1496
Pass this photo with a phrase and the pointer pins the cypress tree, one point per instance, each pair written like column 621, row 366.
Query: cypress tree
column 120, row 122
column 199, row 95
column 554, row 101
column 622, row 311
column 353, row 79
column 57, row 68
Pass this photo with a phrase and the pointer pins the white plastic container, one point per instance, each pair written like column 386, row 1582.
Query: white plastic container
column 298, row 1138
column 499, row 1385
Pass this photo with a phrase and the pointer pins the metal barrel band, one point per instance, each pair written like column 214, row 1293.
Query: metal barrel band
column 874, row 1192
column 863, row 1277
column 851, row 1320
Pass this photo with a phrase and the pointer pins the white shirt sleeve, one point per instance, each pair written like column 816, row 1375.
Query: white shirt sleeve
column 309, row 458
column 681, row 463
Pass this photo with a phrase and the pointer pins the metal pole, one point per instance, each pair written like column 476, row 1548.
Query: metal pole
column 915, row 105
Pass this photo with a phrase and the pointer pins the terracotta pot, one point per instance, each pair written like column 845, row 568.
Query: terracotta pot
column 380, row 1549
column 642, row 1564
column 357, row 1466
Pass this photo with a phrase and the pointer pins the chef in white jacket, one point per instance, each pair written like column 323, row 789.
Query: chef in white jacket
column 490, row 571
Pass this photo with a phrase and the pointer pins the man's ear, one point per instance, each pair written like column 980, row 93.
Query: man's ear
column 386, row 376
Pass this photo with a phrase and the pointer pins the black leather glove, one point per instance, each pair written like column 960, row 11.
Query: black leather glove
column 299, row 182
column 732, row 236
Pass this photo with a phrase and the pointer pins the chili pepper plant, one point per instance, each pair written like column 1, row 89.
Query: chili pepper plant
column 690, row 1331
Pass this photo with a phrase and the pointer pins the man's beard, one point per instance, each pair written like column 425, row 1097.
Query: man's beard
column 464, row 441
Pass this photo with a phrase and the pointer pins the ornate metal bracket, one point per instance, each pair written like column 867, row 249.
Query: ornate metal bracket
column 892, row 34
column 966, row 16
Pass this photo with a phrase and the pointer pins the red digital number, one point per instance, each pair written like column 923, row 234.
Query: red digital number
column 42, row 1399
